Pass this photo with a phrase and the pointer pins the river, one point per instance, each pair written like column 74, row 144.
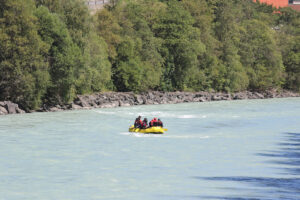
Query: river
column 246, row 149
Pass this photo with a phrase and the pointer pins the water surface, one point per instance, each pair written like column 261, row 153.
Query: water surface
column 216, row 150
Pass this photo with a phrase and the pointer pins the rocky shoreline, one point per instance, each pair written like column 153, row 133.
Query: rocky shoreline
column 117, row 99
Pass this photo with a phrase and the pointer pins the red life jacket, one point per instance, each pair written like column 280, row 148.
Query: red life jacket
column 138, row 122
column 153, row 122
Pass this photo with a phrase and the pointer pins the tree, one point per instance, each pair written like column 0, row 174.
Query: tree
column 289, row 40
column 62, row 56
column 181, row 45
column 23, row 71
column 227, row 30
column 108, row 28
column 78, row 57
column 260, row 56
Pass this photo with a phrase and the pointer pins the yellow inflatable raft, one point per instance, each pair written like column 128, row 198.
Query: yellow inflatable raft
column 155, row 130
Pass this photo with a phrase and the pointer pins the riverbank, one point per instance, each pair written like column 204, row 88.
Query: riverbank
column 118, row 99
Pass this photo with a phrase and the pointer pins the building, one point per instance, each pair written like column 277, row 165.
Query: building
column 95, row 5
column 295, row 4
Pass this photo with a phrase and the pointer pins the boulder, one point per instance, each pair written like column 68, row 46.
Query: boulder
column 164, row 101
column 226, row 97
column 113, row 104
column 259, row 96
column 188, row 98
column 138, row 100
column 54, row 109
column 3, row 111
column 74, row 106
column 202, row 99
column 124, row 103
column 216, row 97
column 240, row 96
column 150, row 95
column 149, row 101
column 83, row 102
column 199, row 99
column 11, row 107
column 20, row 111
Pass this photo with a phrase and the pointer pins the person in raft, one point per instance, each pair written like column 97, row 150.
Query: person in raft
column 145, row 123
column 153, row 122
column 138, row 122
column 159, row 123
column 156, row 122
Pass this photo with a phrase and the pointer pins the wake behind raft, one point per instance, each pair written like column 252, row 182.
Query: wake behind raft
column 154, row 130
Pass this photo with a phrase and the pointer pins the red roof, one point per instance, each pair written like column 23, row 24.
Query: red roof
column 276, row 3
column 281, row 3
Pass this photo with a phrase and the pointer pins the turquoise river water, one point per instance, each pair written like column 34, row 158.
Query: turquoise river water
column 242, row 150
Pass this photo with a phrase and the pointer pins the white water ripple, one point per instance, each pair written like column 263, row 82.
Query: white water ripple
column 165, row 136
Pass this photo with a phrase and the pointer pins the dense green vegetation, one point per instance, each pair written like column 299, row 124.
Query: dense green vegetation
column 51, row 50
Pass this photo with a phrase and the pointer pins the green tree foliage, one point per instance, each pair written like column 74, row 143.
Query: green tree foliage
column 288, row 24
column 181, row 45
column 108, row 28
column 62, row 55
column 209, row 71
column 78, row 56
column 54, row 6
column 260, row 55
column 132, row 46
column 52, row 50
column 23, row 71
column 227, row 32
column 97, row 74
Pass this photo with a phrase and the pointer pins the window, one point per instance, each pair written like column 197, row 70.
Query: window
column 294, row 2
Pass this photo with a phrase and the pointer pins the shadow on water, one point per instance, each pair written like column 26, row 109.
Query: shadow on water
column 287, row 186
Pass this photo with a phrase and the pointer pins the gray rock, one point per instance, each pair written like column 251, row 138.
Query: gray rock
column 124, row 104
column 54, row 109
column 83, row 102
column 75, row 106
column 3, row 111
column 115, row 99
column 149, row 101
column 110, row 105
column 259, row 96
column 240, row 96
column 138, row 99
column 77, row 101
column 227, row 97
column 216, row 98
column 11, row 107
column 164, row 101
column 20, row 111
column 201, row 99
column 188, row 98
